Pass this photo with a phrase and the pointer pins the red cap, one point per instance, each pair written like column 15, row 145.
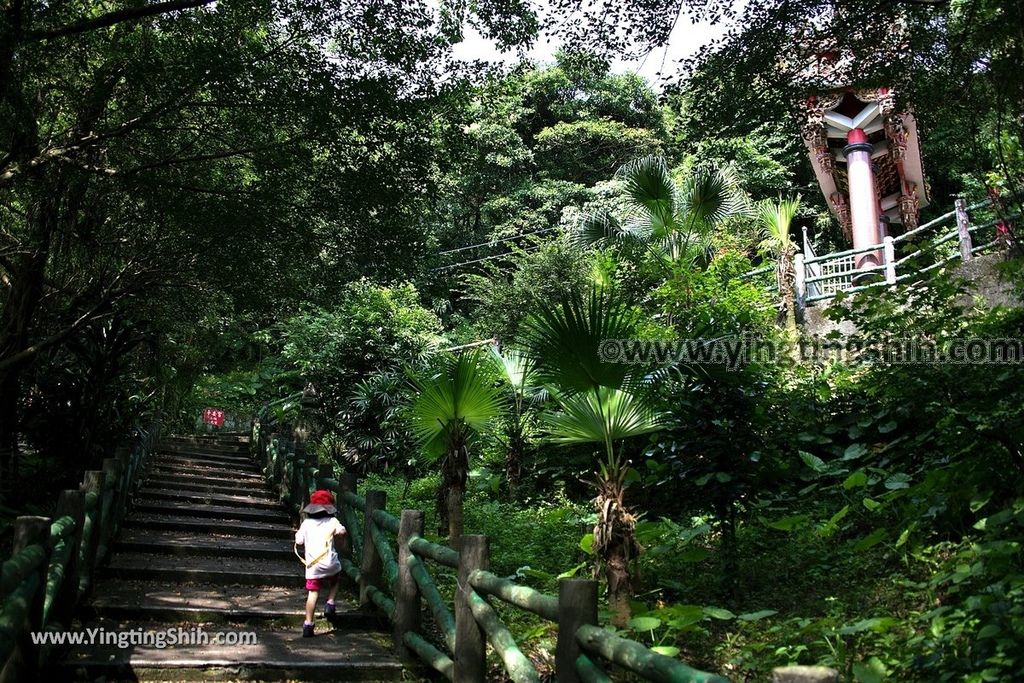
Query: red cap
column 321, row 497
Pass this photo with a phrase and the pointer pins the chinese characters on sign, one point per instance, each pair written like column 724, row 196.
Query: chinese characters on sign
column 213, row 416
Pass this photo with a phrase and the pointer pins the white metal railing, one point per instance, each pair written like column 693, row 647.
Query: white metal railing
column 905, row 257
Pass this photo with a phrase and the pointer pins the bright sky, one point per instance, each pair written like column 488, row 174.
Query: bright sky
column 686, row 39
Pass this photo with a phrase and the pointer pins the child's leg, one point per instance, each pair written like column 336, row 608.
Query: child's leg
column 333, row 591
column 310, row 606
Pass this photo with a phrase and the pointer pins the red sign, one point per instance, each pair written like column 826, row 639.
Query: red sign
column 213, row 416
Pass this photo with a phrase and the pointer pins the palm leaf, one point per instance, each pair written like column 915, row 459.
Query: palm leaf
column 649, row 186
column 601, row 416
column 598, row 229
column 565, row 340
column 517, row 367
column 453, row 403
column 775, row 219
column 708, row 196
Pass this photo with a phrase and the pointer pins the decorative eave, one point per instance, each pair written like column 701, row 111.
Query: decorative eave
column 896, row 154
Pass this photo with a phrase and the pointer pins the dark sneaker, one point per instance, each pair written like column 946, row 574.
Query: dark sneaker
column 307, row 630
column 330, row 612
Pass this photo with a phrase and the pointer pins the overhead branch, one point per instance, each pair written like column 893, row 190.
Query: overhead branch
column 116, row 17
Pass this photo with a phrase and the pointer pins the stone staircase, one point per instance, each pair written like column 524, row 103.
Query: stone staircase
column 208, row 548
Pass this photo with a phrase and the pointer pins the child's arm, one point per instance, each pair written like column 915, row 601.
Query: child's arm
column 340, row 530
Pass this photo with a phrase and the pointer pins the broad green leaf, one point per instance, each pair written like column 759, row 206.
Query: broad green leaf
column 719, row 613
column 667, row 650
column 854, row 451
column 587, row 544
column 872, row 539
column 814, row 462
column 643, row 624
column 897, row 481
column 693, row 555
column 838, row 517
column 789, row 523
column 887, row 427
column 755, row 616
column 858, row 478
column 871, row 504
column 876, row 624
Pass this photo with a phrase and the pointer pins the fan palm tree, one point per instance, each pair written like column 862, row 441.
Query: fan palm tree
column 600, row 401
column 519, row 373
column 775, row 219
column 669, row 220
column 451, row 408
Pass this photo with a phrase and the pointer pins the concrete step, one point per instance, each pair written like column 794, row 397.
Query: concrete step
column 197, row 465
column 164, row 542
column 209, row 441
column 213, row 570
column 231, row 452
column 156, row 601
column 277, row 654
column 219, row 437
column 201, row 474
column 212, row 458
column 201, row 498
column 256, row 489
column 198, row 525
column 182, row 508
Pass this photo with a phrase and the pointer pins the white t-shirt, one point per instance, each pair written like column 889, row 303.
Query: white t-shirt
column 318, row 535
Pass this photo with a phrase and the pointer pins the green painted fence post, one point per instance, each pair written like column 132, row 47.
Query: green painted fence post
column 371, row 569
column 407, row 593
column 92, row 482
column 31, row 531
column 112, row 469
column 470, row 641
column 577, row 605
column 348, row 482
column 280, row 460
column 123, row 455
column 109, row 516
column 71, row 503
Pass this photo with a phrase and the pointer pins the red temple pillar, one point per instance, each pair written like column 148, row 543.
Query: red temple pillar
column 864, row 210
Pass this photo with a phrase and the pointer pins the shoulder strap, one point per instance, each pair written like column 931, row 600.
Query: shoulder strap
column 327, row 549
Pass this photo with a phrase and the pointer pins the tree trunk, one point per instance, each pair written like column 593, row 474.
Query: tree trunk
column 730, row 555
column 455, row 495
column 454, row 474
column 514, row 457
column 16, row 316
column 615, row 543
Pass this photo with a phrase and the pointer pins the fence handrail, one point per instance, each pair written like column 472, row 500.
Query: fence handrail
column 813, row 286
column 50, row 570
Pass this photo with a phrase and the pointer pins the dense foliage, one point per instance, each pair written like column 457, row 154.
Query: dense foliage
column 233, row 202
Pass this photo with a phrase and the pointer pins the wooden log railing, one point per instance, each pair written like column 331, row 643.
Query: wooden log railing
column 53, row 561
column 389, row 561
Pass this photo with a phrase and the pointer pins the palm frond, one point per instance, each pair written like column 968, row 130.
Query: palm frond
column 565, row 340
column 453, row 403
column 775, row 218
column 518, row 368
column 649, row 186
column 598, row 229
column 600, row 416
column 708, row 196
